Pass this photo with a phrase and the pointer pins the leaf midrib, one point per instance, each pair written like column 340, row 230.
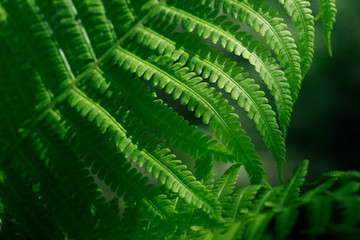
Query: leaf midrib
column 258, row 58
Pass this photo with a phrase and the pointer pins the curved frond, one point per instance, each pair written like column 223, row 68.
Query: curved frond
column 129, row 91
column 203, row 22
column 328, row 14
column 114, row 170
column 227, row 75
column 206, row 103
column 263, row 19
column 225, row 185
column 240, row 201
column 142, row 149
column 303, row 21
column 292, row 188
column 121, row 15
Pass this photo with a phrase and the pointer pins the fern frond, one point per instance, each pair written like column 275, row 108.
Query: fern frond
column 141, row 149
column 303, row 21
column 257, row 226
column 26, row 17
column 218, row 70
column 77, row 180
column 320, row 189
column 204, row 101
column 240, row 201
column 129, row 91
column 203, row 22
column 228, row 231
column 204, row 171
column 264, row 20
column 115, row 171
column 92, row 13
column 77, row 119
column 69, row 33
column 121, row 15
column 319, row 213
column 225, row 185
column 264, row 198
column 328, row 14
column 285, row 221
column 338, row 175
column 292, row 188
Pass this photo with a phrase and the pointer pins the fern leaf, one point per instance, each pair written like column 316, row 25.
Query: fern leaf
column 26, row 17
column 215, row 111
column 292, row 187
column 150, row 212
column 240, row 201
column 241, row 45
column 121, row 15
column 92, row 13
column 225, row 185
column 115, row 171
column 319, row 213
column 228, row 231
column 168, row 124
column 204, row 171
column 76, row 179
column 223, row 72
column 338, row 175
column 328, row 14
column 285, row 220
column 69, row 33
column 266, row 197
column 263, row 20
column 303, row 21
column 157, row 160
column 309, row 195
column 257, row 226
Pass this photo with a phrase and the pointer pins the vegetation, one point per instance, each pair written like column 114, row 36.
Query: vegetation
column 86, row 121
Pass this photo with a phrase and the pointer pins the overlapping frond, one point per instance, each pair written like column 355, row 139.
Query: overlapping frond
column 225, row 185
column 143, row 149
column 129, row 91
column 204, row 101
column 303, row 21
column 263, row 19
column 226, row 74
column 292, row 188
column 240, row 201
column 206, row 24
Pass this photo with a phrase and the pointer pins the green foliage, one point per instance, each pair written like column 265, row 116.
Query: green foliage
column 328, row 13
column 87, row 128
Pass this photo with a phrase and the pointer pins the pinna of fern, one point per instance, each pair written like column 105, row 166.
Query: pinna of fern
column 80, row 108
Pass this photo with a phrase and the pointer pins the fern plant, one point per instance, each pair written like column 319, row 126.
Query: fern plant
column 83, row 128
